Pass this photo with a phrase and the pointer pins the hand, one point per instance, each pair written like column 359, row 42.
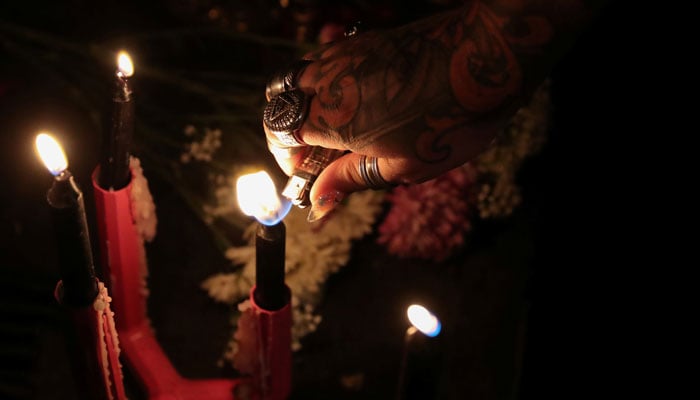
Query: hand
column 389, row 121
column 423, row 99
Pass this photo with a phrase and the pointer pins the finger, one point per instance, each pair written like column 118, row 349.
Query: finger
column 306, row 80
column 281, row 120
column 327, row 109
column 340, row 178
column 285, row 79
column 317, row 53
column 288, row 157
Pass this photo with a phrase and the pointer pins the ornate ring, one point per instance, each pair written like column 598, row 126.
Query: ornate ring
column 369, row 171
column 284, row 115
column 285, row 79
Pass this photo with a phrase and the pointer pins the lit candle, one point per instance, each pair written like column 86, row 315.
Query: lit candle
column 422, row 321
column 257, row 197
column 70, row 226
column 114, row 160
column 270, row 296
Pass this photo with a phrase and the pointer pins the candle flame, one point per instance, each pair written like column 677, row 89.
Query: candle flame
column 51, row 153
column 424, row 320
column 126, row 67
column 257, row 197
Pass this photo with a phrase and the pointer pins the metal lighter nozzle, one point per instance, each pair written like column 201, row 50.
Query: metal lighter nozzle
column 299, row 185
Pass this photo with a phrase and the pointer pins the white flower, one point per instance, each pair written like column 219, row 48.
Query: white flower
column 204, row 149
column 142, row 205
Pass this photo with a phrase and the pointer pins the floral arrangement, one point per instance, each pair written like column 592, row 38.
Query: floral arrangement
column 429, row 220
column 440, row 210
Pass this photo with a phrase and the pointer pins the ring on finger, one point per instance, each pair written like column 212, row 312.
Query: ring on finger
column 284, row 115
column 285, row 79
column 369, row 172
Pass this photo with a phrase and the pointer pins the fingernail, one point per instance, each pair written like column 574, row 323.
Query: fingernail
column 324, row 204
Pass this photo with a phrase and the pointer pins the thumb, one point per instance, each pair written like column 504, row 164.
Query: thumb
column 336, row 181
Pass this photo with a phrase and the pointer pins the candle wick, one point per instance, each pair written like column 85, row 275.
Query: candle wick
column 63, row 175
column 412, row 330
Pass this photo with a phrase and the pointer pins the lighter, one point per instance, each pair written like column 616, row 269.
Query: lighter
column 283, row 116
column 299, row 184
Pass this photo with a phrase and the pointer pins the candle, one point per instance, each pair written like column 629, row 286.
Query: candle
column 271, row 293
column 70, row 226
column 257, row 197
column 422, row 321
column 270, row 296
column 114, row 160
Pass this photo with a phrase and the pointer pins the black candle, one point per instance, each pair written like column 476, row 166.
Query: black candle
column 116, row 144
column 257, row 197
column 418, row 368
column 271, row 293
column 70, row 226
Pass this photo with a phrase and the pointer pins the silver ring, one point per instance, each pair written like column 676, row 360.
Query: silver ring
column 285, row 79
column 369, row 172
column 284, row 115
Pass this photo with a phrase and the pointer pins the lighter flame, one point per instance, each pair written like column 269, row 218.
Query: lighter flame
column 126, row 67
column 51, row 153
column 258, row 198
column 424, row 320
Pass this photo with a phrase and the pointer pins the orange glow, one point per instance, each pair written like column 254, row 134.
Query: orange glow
column 51, row 153
column 126, row 67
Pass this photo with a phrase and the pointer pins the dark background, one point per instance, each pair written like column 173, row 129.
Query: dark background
column 532, row 307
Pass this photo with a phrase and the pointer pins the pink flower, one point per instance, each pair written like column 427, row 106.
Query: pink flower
column 429, row 220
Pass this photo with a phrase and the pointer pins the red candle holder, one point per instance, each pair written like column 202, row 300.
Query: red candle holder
column 274, row 337
column 124, row 261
